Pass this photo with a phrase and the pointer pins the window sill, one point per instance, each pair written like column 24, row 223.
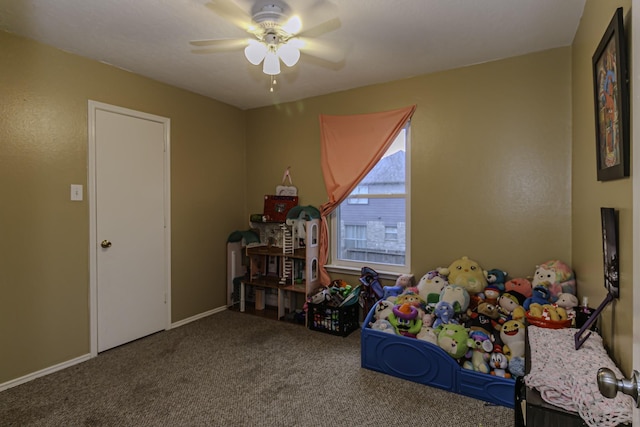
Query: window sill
column 385, row 275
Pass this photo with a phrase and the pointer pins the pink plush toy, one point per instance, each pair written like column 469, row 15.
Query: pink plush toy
column 521, row 285
column 557, row 277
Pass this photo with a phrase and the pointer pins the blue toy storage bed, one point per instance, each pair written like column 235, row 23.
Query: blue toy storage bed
column 425, row 363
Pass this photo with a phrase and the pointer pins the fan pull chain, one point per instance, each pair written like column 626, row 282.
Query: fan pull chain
column 273, row 83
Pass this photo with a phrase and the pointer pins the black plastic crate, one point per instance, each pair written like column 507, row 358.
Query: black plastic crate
column 333, row 320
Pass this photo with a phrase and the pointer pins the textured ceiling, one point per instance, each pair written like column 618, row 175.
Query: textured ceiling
column 381, row 40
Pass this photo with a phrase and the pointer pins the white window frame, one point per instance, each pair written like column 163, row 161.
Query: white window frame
column 361, row 199
column 386, row 271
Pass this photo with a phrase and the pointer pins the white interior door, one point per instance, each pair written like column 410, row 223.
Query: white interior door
column 131, row 235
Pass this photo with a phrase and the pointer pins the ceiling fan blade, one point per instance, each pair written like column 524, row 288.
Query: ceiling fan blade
column 231, row 12
column 322, row 49
column 323, row 7
column 322, row 28
column 207, row 51
column 218, row 45
column 318, row 14
column 219, row 42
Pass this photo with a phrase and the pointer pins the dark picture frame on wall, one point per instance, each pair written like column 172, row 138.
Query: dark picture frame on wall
column 611, row 263
column 611, row 267
column 611, row 92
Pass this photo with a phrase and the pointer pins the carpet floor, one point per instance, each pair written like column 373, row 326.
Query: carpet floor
column 235, row 369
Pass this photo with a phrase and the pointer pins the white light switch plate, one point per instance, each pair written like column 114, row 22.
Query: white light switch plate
column 76, row 192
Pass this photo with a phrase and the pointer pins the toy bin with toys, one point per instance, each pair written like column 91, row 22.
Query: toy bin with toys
column 462, row 328
column 425, row 363
column 333, row 320
column 334, row 310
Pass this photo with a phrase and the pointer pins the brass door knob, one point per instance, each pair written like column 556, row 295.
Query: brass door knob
column 105, row 244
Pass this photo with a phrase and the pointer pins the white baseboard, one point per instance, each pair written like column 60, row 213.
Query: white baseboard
column 198, row 317
column 84, row 358
column 45, row 371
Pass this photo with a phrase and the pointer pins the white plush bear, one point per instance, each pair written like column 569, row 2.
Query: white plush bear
column 430, row 286
column 383, row 326
column 427, row 333
column 383, row 310
column 569, row 302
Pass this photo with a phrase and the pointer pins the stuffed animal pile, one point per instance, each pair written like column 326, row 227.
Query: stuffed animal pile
column 477, row 316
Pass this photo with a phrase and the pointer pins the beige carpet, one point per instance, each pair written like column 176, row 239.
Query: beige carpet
column 235, row 369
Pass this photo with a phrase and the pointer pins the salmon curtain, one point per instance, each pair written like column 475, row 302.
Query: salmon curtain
column 350, row 147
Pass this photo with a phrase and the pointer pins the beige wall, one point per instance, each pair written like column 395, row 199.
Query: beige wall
column 44, row 262
column 588, row 195
column 490, row 160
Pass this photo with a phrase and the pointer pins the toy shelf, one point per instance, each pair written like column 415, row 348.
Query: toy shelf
column 299, row 253
column 283, row 261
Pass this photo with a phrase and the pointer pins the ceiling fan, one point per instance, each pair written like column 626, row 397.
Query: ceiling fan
column 276, row 34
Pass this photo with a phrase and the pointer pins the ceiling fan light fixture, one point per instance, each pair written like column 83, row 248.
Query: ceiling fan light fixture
column 255, row 51
column 271, row 63
column 269, row 14
column 289, row 54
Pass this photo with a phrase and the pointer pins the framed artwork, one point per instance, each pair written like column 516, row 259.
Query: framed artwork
column 611, row 91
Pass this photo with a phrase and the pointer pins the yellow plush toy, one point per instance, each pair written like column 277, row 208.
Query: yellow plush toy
column 512, row 335
column 548, row 312
column 466, row 273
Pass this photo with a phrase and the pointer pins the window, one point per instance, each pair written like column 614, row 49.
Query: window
column 355, row 236
column 391, row 234
column 371, row 226
column 359, row 190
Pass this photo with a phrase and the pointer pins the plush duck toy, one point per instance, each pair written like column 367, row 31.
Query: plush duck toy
column 466, row 273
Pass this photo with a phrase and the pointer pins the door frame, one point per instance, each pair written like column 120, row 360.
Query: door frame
column 634, row 82
column 93, row 107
